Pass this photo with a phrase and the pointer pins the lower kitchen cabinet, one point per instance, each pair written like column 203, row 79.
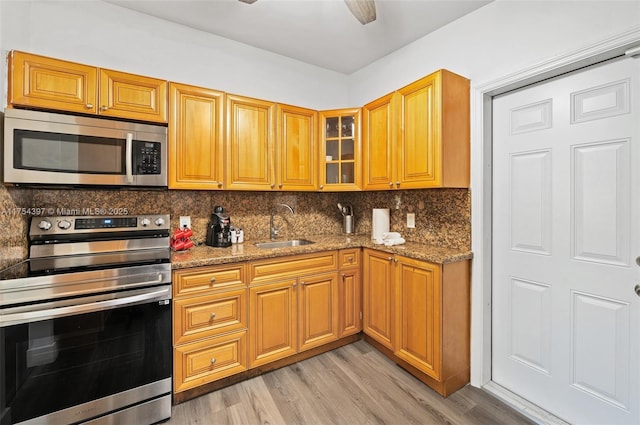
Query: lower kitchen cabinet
column 272, row 321
column 349, row 293
column 205, row 361
column 378, row 297
column 419, row 313
column 318, row 310
column 209, row 324
column 293, row 305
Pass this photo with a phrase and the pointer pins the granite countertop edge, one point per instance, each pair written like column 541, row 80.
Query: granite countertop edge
column 203, row 255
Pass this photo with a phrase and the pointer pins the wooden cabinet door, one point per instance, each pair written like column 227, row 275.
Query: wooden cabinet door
column 418, row 315
column 38, row 81
column 350, row 302
column 296, row 148
column 378, row 297
column 196, row 138
column 250, row 144
column 132, row 96
column 379, row 143
column 340, row 150
column 419, row 149
column 317, row 310
column 272, row 321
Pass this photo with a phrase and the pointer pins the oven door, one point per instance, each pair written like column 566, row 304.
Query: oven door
column 73, row 360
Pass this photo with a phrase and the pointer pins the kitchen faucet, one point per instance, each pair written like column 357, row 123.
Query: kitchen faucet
column 273, row 230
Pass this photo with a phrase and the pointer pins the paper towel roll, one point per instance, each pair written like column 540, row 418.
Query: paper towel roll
column 379, row 224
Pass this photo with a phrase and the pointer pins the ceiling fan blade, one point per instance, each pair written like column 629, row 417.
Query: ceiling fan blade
column 248, row 1
column 363, row 10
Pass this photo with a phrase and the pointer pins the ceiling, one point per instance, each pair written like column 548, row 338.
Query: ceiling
column 318, row 32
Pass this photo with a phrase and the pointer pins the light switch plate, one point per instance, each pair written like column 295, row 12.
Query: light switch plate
column 185, row 221
column 411, row 220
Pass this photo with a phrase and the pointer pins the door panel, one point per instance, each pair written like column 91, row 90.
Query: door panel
column 566, row 217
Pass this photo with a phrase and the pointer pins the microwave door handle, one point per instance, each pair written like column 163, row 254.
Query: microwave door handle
column 129, row 160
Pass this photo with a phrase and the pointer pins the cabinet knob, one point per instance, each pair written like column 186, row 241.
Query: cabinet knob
column 280, row 185
column 350, row 259
column 213, row 316
column 395, row 260
column 390, row 184
column 272, row 185
column 89, row 105
column 219, row 184
column 344, row 276
column 213, row 361
column 390, row 258
column 212, row 280
column 294, row 284
column 321, row 186
column 397, row 184
column 103, row 108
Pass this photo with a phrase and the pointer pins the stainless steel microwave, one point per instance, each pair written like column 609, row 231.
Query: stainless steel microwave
column 44, row 148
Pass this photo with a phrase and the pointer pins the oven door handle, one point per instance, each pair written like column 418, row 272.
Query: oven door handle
column 70, row 310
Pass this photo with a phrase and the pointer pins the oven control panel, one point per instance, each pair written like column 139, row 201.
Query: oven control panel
column 41, row 226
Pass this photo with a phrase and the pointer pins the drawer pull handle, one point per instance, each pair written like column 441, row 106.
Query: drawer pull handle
column 213, row 361
column 344, row 276
column 212, row 280
column 350, row 259
column 213, row 316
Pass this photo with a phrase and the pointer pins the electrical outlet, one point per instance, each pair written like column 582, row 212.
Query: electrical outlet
column 411, row 220
column 185, row 221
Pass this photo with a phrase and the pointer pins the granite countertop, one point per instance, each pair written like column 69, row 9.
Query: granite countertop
column 204, row 255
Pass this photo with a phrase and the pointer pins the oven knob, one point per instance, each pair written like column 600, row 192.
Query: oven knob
column 44, row 225
column 159, row 221
column 64, row 224
column 145, row 222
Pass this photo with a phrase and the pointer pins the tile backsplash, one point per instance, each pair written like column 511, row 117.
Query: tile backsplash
column 443, row 216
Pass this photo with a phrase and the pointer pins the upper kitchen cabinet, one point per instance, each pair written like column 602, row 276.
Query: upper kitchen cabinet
column 42, row 82
column 379, row 154
column 196, row 134
column 425, row 126
column 296, row 148
column 132, row 96
column 250, row 144
column 340, row 150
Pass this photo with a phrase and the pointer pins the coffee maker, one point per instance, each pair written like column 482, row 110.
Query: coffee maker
column 219, row 231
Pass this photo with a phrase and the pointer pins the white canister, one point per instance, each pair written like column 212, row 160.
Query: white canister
column 379, row 224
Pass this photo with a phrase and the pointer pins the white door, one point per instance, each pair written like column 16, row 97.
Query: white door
column 566, row 234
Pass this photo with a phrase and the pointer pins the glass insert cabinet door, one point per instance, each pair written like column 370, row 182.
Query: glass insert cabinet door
column 341, row 149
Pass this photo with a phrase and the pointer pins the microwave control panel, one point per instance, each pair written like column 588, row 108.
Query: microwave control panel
column 147, row 158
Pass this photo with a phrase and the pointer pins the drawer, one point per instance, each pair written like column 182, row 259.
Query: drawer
column 205, row 361
column 263, row 271
column 204, row 279
column 349, row 258
column 204, row 316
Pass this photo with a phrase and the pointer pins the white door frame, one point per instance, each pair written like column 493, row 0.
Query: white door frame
column 481, row 176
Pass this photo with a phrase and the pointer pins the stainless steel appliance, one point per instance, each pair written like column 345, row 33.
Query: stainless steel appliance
column 56, row 149
column 219, row 231
column 85, row 323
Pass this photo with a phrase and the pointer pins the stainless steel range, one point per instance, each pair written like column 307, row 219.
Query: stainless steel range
column 85, row 323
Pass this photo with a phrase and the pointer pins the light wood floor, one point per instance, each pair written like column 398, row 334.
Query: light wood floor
column 351, row 385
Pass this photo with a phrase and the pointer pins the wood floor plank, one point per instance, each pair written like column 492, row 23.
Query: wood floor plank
column 352, row 385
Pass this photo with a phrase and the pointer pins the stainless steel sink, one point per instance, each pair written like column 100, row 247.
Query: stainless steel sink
column 284, row 244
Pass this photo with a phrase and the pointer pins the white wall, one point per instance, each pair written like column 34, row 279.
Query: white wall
column 101, row 34
column 496, row 40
